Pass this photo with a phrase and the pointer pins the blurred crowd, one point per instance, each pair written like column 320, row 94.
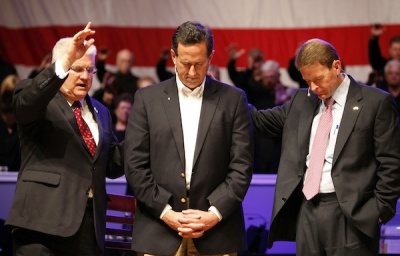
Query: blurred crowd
column 260, row 80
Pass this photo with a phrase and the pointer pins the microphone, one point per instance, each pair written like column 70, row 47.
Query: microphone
column 308, row 92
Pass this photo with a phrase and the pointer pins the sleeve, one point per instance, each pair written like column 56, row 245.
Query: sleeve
column 137, row 161
column 162, row 72
column 376, row 59
column 387, row 150
column 229, row 194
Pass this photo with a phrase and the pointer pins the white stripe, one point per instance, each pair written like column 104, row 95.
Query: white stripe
column 215, row 13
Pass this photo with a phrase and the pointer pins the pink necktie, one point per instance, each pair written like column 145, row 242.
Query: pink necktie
column 84, row 128
column 318, row 151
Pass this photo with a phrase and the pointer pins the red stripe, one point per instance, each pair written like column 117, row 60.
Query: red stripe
column 26, row 46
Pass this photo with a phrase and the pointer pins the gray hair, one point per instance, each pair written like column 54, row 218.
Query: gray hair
column 61, row 47
column 393, row 62
column 270, row 65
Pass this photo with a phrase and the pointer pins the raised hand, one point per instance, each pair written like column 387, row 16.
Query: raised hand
column 77, row 46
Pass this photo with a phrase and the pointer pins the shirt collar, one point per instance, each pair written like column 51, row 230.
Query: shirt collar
column 340, row 93
column 196, row 93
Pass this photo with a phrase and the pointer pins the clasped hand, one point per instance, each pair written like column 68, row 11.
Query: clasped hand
column 190, row 223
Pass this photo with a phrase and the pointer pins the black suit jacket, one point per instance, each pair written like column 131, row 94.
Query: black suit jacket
column 57, row 169
column 222, row 167
column 366, row 161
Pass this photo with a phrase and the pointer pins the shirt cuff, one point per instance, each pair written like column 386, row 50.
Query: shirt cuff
column 166, row 209
column 215, row 211
column 60, row 72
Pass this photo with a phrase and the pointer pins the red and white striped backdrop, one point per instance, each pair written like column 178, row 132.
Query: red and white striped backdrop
column 29, row 28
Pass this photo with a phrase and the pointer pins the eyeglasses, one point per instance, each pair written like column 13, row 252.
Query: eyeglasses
column 79, row 69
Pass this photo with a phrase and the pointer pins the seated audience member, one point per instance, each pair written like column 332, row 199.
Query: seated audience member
column 45, row 62
column 123, row 105
column 127, row 81
column 9, row 150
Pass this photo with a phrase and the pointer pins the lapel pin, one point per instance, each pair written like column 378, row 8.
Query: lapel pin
column 169, row 98
column 355, row 108
column 95, row 109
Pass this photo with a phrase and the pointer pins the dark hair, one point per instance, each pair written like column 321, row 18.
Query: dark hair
column 395, row 39
column 190, row 33
column 6, row 102
column 124, row 97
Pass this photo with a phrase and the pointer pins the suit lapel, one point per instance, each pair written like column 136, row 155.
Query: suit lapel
column 172, row 110
column 210, row 102
column 351, row 111
column 68, row 114
column 70, row 117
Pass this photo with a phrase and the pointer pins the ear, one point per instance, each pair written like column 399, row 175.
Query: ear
column 173, row 56
column 337, row 65
column 211, row 55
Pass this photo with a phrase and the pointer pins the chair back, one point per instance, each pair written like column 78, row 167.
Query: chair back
column 119, row 220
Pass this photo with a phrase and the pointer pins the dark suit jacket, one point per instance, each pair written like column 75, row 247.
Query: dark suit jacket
column 57, row 168
column 155, row 165
column 366, row 161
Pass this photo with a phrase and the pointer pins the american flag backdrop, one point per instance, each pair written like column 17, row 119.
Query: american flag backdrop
column 30, row 28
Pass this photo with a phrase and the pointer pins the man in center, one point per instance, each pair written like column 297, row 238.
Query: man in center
column 188, row 150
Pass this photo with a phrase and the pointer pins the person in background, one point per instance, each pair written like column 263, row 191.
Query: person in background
column 145, row 81
column 376, row 59
column 213, row 71
column 267, row 149
column 67, row 149
column 391, row 83
column 126, row 81
column 161, row 67
column 45, row 62
column 6, row 68
column 123, row 106
column 10, row 159
column 340, row 163
column 188, row 156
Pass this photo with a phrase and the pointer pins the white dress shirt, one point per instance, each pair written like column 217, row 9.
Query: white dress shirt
column 340, row 95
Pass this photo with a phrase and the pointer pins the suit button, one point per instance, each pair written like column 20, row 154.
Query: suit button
column 182, row 175
column 284, row 199
column 300, row 176
column 183, row 200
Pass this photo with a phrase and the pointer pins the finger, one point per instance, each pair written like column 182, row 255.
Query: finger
column 89, row 43
column 185, row 230
column 88, row 26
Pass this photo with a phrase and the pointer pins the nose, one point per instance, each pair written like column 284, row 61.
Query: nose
column 85, row 74
column 313, row 86
column 192, row 70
